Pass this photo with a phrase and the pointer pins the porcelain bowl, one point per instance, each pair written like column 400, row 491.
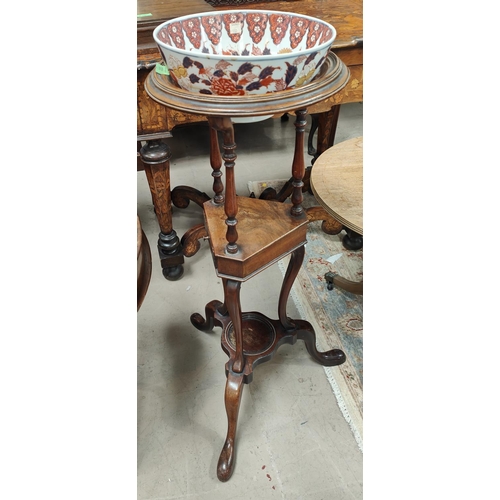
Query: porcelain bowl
column 243, row 52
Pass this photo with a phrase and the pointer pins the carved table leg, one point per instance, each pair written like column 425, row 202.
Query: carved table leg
column 220, row 314
column 298, row 166
column 235, row 379
column 293, row 268
column 225, row 125
column 156, row 158
column 232, row 303
column 303, row 329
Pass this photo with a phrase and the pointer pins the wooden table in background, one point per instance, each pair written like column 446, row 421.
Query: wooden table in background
column 337, row 184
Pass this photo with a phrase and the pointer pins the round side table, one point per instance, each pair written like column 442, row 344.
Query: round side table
column 337, row 184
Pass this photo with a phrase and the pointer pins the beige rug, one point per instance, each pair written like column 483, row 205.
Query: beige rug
column 336, row 316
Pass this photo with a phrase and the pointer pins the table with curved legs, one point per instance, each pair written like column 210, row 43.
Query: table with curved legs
column 248, row 235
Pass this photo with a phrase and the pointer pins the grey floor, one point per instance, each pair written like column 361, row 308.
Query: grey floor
column 292, row 440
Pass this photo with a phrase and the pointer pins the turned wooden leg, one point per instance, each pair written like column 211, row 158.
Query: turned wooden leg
column 326, row 125
column 235, row 377
column 216, row 164
column 298, row 166
column 156, row 155
column 232, row 399
column 230, row 203
column 293, row 268
column 225, row 125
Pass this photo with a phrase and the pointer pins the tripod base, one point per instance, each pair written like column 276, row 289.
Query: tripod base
column 262, row 337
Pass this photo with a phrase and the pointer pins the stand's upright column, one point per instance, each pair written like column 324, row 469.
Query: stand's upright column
column 298, row 167
column 225, row 125
column 216, row 164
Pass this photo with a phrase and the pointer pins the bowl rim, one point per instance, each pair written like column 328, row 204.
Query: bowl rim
column 225, row 57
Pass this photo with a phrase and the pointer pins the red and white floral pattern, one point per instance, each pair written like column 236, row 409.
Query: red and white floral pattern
column 279, row 25
column 192, row 28
column 176, row 34
column 243, row 52
column 234, row 25
column 213, row 28
column 298, row 28
column 256, row 26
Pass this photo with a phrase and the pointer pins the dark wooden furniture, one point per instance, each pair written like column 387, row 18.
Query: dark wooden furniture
column 156, row 122
column 337, row 184
column 144, row 266
column 247, row 235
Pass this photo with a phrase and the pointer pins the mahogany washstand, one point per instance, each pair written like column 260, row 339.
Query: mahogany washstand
column 265, row 232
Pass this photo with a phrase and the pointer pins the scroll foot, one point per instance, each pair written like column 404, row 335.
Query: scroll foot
column 211, row 309
column 333, row 357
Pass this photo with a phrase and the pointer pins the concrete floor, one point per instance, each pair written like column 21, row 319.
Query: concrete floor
column 292, row 440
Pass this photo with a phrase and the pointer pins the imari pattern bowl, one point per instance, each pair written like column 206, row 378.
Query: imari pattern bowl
column 243, row 52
